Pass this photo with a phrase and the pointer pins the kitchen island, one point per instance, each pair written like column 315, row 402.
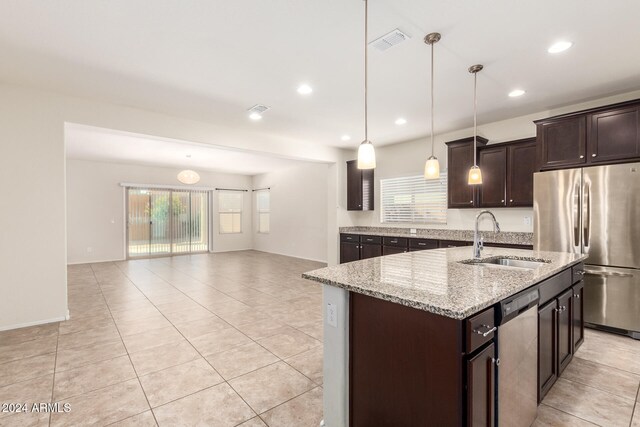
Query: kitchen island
column 410, row 339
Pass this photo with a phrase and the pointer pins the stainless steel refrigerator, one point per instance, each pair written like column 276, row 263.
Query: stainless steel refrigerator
column 596, row 211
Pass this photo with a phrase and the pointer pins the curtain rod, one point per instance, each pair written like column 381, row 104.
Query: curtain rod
column 260, row 189
column 230, row 189
column 165, row 187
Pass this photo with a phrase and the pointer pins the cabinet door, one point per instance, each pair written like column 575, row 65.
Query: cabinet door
column 349, row 252
column 370, row 251
column 493, row 162
column 614, row 135
column 565, row 328
column 390, row 250
column 354, row 186
column 481, row 388
column 578, row 315
column 562, row 143
column 547, row 348
column 461, row 194
column 521, row 165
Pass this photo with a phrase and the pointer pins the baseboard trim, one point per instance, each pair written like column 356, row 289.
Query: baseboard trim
column 96, row 262
column 35, row 323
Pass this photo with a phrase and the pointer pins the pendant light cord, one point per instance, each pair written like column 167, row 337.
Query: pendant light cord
column 475, row 118
column 432, row 142
column 366, row 76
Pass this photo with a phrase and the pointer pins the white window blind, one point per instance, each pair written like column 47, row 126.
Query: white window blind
column 263, row 203
column 230, row 211
column 414, row 199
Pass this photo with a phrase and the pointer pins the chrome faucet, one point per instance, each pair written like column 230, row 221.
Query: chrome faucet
column 478, row 242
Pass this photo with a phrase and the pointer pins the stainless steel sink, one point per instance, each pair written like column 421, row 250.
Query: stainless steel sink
column 511, row 263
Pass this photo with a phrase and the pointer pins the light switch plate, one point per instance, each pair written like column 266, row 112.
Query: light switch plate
column 526, row 220
column 332, row 315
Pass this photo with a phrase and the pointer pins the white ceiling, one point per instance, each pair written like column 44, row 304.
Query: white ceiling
column 91, row 143
column 212, row 59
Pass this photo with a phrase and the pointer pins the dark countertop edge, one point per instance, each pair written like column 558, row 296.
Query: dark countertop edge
column 457, row 315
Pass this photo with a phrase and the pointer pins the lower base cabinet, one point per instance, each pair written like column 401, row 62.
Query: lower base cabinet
column 392, row 250
column 481, row 388
column 349, row 252
column 370, row 251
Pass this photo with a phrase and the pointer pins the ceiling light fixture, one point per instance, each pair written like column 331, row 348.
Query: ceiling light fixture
column 560, row 46
column 475, row 174
column 432, row 166
column 366, row 152
column 516, row 93
column 189, row 177
column 401, row 121
column 305, row 89
column 345, row 137
column 255, row 116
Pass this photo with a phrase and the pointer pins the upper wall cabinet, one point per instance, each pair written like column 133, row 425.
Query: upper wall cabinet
column 609, row 134
column 359, row 187
column 459, row 161
column 507, row 174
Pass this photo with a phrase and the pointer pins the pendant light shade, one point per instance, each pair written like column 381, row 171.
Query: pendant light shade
column 366, row 155
column 432, row 166
column 475, row 174
column 366, row 152
column 188, row 177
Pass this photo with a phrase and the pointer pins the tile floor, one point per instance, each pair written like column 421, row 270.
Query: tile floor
column 231, row 339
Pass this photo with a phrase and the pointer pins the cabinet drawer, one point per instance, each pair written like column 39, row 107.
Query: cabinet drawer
column 423, row 244
column 372, row 240
column 553, row 286
column 479, row 329
column 353, row 238
column 453, row 243
column 395, row 241
column 577, row 272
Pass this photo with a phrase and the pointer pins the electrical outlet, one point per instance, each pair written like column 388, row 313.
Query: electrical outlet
column 332, row 315
column 413, row 230
column 526, row 220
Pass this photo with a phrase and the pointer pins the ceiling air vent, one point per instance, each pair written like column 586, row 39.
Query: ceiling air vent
column 258, row 108
column 389, row 40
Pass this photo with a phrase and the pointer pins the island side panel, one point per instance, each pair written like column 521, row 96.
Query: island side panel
column 405, row 365
column 336, row 358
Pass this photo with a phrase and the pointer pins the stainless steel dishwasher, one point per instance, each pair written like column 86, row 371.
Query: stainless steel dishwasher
column 517, row 373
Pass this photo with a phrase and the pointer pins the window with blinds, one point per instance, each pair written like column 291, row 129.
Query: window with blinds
column 230, row 211
column 263, row 201
column 414, row 199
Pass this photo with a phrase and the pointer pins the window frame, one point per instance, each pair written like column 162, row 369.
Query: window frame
column 414, row 212
column 230, row 212
column 260, row 212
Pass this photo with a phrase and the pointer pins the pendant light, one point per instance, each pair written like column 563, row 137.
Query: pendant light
column 366, row 152
column 432, row 166
column 475, row 174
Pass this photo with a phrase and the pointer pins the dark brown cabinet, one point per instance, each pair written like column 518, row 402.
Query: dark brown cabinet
column 459, row 160
column 602, row 135
column 481, row 388
column 370, row 250
column 547, row 348
column 614, row 135
column 349, row 252
column 521, row 165
column 565, row 327
column 493, row 163
column 578, row 315
column 359, row 187
column 392, row 250
column 422, row 244
column 562, row 143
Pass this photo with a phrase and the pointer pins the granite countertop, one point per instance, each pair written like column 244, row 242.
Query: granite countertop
column 504, row 237
column 436, row 282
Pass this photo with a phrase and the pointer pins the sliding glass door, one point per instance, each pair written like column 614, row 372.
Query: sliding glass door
column 165, row 222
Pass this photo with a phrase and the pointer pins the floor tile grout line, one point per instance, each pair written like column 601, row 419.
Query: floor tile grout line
column 635, row 405
column 123, row 344
column 568, row 413
column 287, row 401
column 53, row 380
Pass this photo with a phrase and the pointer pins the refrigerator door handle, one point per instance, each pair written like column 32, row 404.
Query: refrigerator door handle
column 586, row 215
column 576, row 217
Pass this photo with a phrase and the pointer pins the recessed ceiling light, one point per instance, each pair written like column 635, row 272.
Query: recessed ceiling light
column 255, row 116
column 517, row 92
column 345, row 137
column 304, row 89
column 559, row 47
column 401, row 121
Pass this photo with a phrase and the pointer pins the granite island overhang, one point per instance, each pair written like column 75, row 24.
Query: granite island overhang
column 414, row 304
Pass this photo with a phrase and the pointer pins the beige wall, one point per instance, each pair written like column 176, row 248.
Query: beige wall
column 96, row 207
column 407, row 158
column 299, row 199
